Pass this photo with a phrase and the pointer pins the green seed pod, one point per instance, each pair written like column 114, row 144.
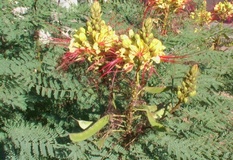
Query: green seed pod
column 77, row 137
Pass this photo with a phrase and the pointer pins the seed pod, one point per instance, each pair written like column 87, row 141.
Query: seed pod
column 77, row 137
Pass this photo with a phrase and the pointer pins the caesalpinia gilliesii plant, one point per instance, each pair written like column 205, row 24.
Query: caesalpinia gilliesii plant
column 223, row 11
column 105, row 51
column 163, row 9
column 201, row 15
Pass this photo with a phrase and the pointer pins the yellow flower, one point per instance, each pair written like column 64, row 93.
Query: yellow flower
column 104, row 39
column 224, row 10
column 126, row 42
column 156, row 59
column 82, row 37
column 156, row 45
column 74, row 44
column 96, row 48
column 131, row 33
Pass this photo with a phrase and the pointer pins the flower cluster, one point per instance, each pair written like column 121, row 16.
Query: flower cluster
column 223, row 11
column 95, row 39
column 167, row 5
column 201, row 16
column 141, row 49
column 163, row 9
column 104, row 49
column 188, row 88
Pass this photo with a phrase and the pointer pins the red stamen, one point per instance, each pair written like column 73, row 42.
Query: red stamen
column 171, row 58
column 70, row 57
column 109, row 66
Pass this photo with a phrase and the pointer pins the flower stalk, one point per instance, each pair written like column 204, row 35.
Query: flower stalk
column 188, row 87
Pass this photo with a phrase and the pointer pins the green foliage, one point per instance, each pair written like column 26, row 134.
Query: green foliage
column 30, row 140
column 37, row 99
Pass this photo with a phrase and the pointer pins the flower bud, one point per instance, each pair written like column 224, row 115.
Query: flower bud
column 82, row 37
column 131, row 33
column 126, row 42
column 194, row 70
column 193, row 93
column 185, row 99
column 179, row 94
column 82, row 30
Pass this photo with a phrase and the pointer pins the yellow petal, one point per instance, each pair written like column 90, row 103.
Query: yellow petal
column 82, row 37
column 86, row 44
column 131, row 33
column 131, row 56
column 95, row 46
column 126, row 42
column 133, row 48
column 140, row 44
column 146, row 56
column 73, row 45
column 82, row 30
column 156, row 59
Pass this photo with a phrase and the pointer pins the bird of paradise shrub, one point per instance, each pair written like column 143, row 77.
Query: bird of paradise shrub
column 163, row 9
column 223, row 11
column 105, row 51
column 201, row 15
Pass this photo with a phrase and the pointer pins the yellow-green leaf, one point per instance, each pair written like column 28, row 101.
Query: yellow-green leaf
column 152, row 120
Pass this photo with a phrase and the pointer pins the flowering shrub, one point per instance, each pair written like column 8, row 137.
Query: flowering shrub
column 201, row 16
column 162, row 10
column 105, row 51
column 125, row 114
column 163, row 6
column 223, row 11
